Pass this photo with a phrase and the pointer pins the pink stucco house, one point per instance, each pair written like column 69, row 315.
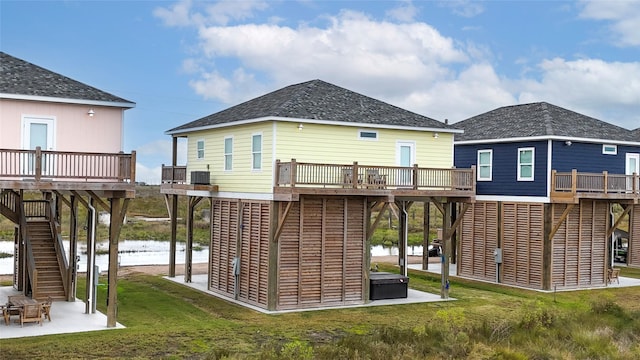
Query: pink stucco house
column 63, row 139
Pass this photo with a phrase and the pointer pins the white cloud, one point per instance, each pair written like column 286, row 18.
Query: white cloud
column 406, row 12
column 351, row 48
column 163, row 150
column 590, row 86
column 624, row 17
column 179, row 14
column 224, row 12
column 464, row 8
column 409, row 64
column 158, row 152
column 148, row 175
column 476, row 89
column 185, row 12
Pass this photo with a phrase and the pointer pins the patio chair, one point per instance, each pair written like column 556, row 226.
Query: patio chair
column 7, row 311
column 614, row 274
column 46, row 308
column 31, row 313
column 375, row 180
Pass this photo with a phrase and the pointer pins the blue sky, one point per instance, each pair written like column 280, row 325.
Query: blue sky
column 182, row 60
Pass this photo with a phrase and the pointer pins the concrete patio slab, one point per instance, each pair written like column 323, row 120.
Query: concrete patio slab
column 199, row 282
column 66, row 317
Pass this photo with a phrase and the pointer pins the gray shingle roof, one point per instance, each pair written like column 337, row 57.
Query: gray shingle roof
column 19, row 77
column 636, row 133
column 538, row 120
column 317, row 100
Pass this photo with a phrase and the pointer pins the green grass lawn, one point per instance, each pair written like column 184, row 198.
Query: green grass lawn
column 167, row 320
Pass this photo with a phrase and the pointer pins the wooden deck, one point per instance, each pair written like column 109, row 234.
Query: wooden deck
column 105, row 173
column 573, row 186
column 295, row 178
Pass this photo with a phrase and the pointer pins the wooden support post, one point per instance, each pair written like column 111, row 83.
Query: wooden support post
column 73, row 248
column 188, row 259
column 188, row 263
column 546, row 247
column 174, row 231
column 272, row 280
column 446, row 251
column 367, row 248
column 426, row 225
column 38, row 161
column 118, row 211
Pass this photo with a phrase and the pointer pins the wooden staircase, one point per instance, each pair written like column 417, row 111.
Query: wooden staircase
column 50, row 282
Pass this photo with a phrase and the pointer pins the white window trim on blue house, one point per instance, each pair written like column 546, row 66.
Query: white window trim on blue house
column 520, row 165
column 608, row 149
column 228, row 153
column 489, row 165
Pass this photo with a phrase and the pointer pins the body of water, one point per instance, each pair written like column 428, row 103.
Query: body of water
column 130, row 252
column 151, row 252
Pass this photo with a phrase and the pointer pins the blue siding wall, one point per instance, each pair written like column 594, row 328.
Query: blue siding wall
column 586, row 157
column 505, row 168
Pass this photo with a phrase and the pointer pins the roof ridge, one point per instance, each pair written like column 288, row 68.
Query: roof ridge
column 548, row 119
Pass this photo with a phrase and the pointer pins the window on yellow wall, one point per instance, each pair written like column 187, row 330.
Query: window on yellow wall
column 256, row 152
column 200, row 149
column 228, row 153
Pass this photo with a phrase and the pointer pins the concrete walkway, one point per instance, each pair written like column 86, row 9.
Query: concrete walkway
column 66, row 317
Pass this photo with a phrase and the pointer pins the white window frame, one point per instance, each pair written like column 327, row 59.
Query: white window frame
column 198, row 155
column 227, row 165
column 606, row 152
column 256, row 153
column 533, row 164
column 490, row 165
column 360, row 137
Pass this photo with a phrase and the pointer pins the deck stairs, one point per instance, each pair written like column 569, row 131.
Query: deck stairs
column 42, row 239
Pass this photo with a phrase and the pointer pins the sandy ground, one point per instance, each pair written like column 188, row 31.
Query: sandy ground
column 201, row 268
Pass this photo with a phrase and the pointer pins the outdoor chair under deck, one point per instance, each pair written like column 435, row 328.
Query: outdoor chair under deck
column 614, row 274
column 7, row 312
column 31, row 313
column 46, row 308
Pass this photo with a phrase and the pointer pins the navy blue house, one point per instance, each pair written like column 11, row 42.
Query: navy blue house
column 547, row 179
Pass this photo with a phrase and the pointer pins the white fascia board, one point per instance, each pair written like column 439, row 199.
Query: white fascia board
column 127, row 105
column 314, row 121
column 521, row 199
column 230, row 195
column 544, row 138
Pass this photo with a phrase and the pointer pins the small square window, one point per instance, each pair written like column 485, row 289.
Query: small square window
column 610, row 149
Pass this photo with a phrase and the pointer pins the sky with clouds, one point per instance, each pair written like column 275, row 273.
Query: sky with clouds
column 182, row 60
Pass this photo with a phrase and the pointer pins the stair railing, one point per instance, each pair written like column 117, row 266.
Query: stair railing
column 31, row 262
column 63, row 263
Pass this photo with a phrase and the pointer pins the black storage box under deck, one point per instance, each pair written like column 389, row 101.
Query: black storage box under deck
column 384, row 285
